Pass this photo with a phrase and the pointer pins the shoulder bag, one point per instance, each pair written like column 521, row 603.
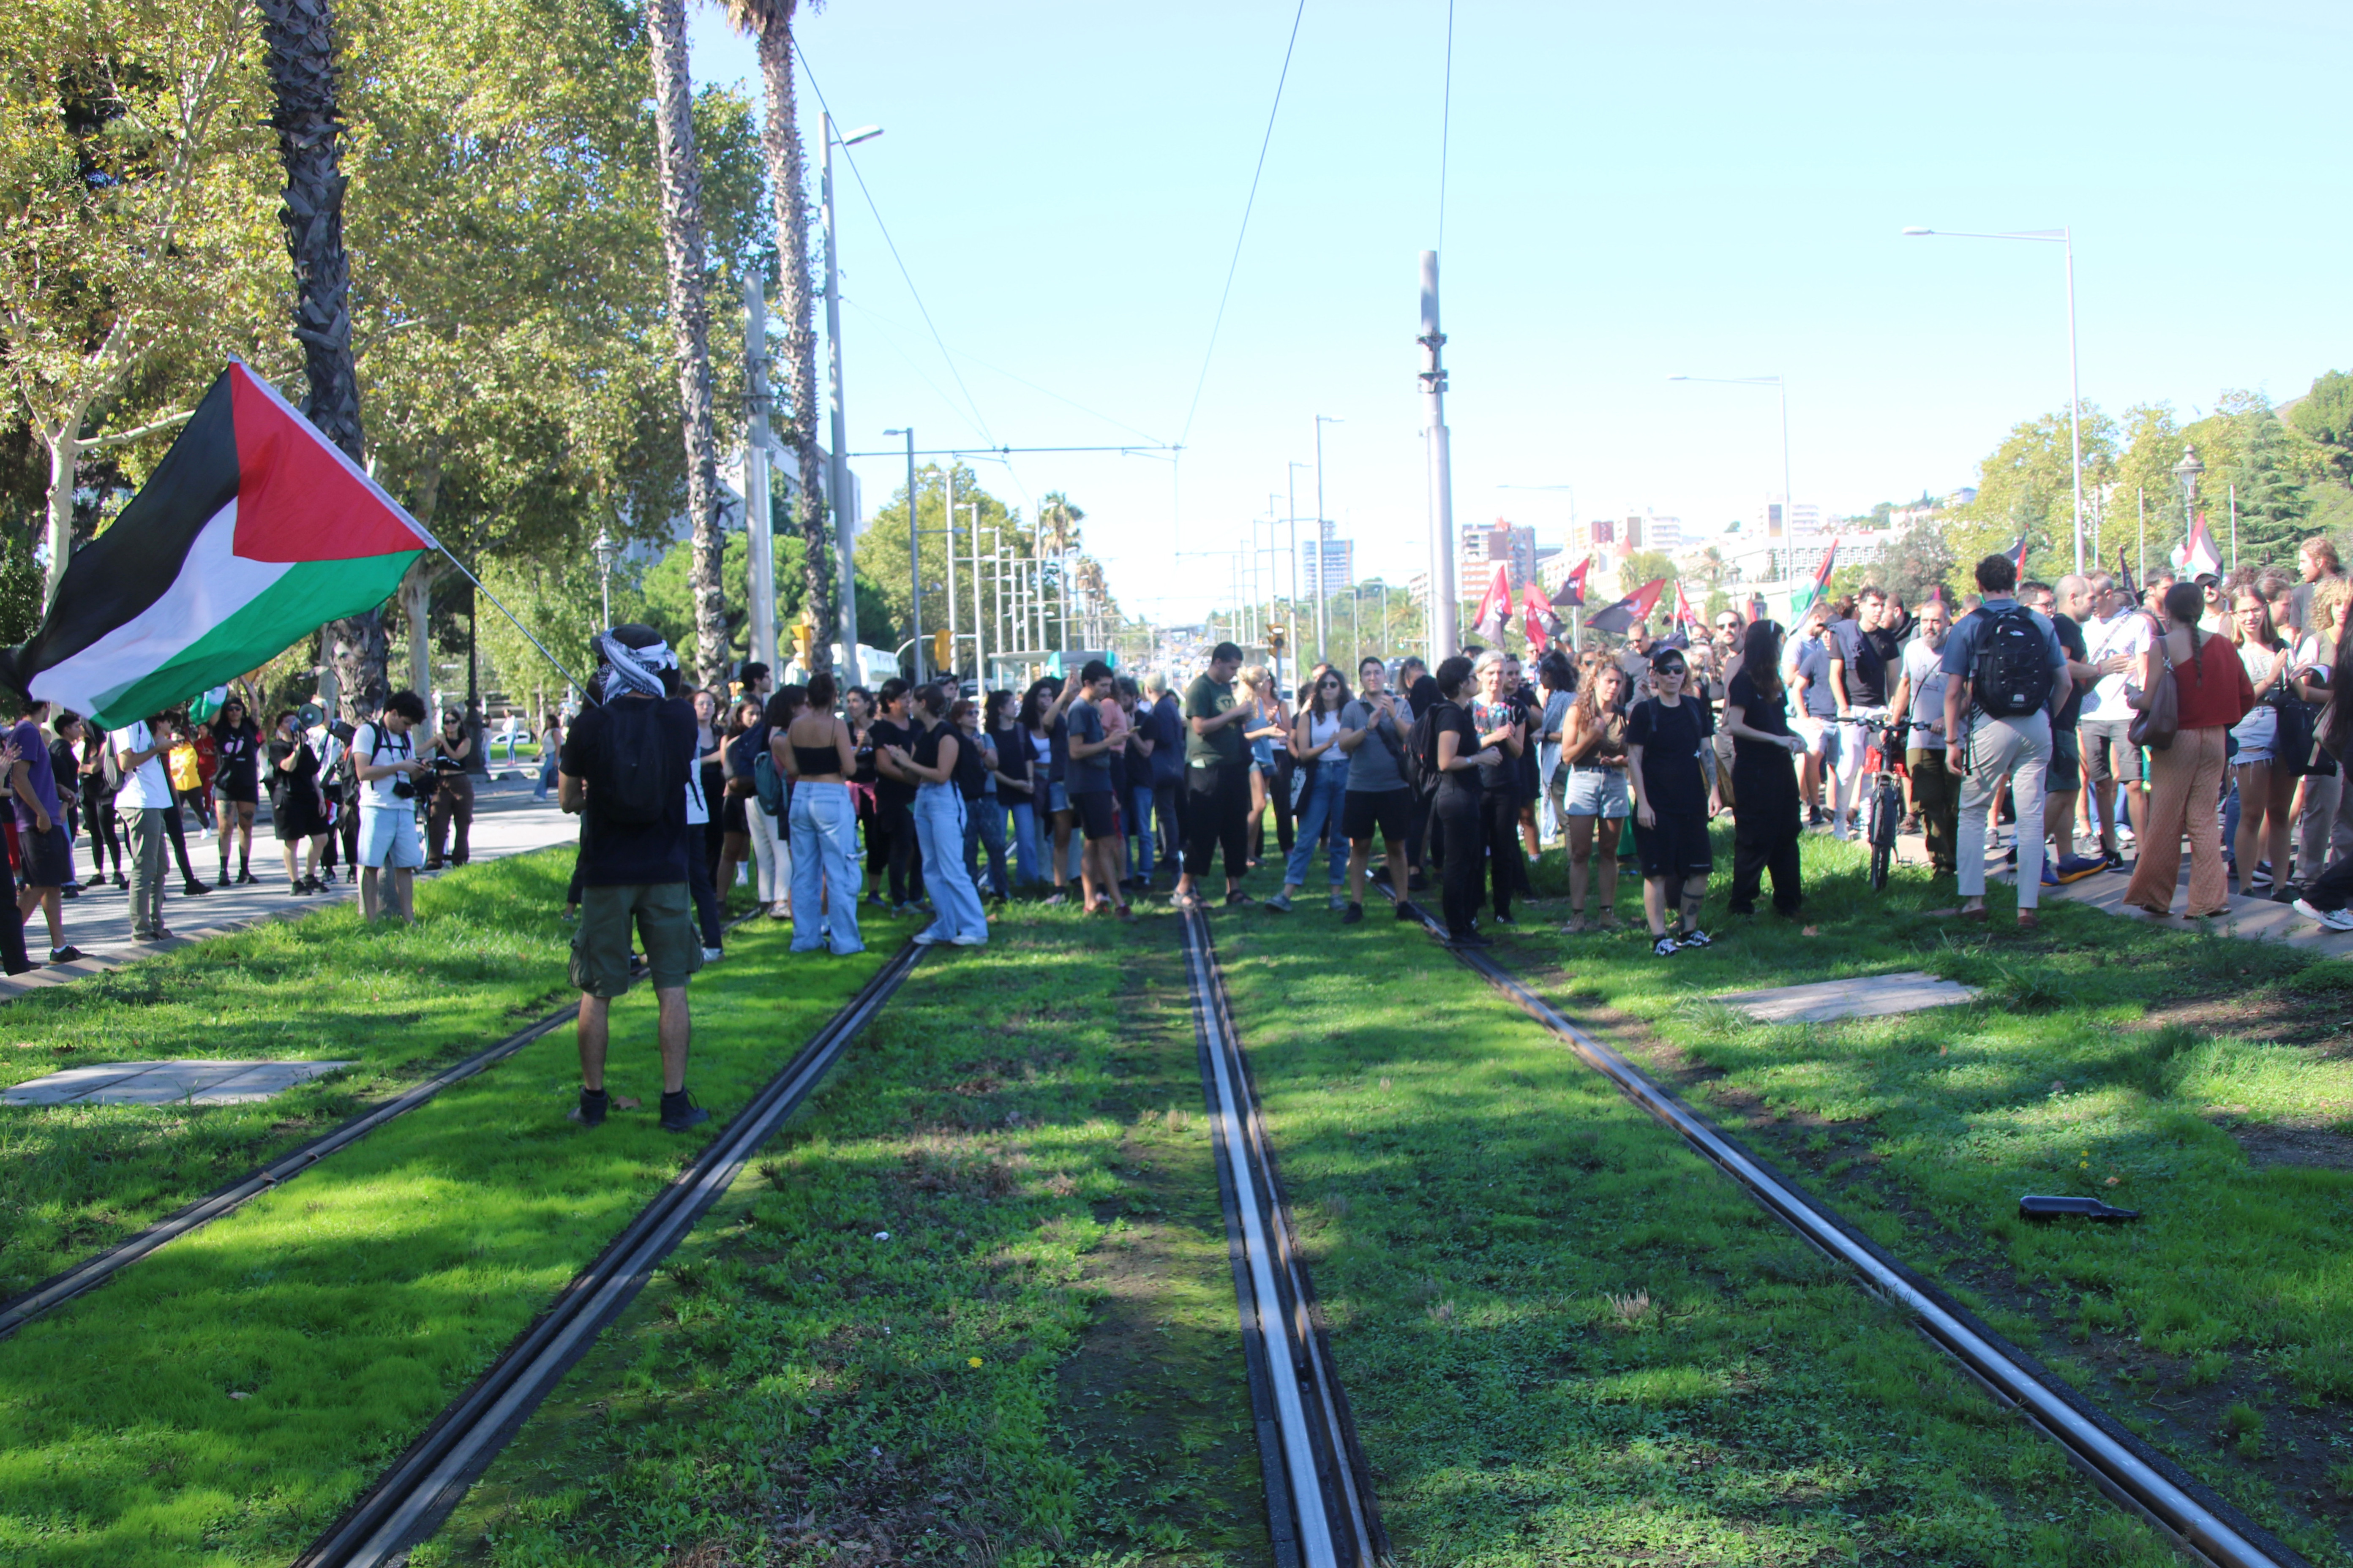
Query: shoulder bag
column 2157, row 711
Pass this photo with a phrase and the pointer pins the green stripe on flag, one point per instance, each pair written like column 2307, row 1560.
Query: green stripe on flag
column 309, row 595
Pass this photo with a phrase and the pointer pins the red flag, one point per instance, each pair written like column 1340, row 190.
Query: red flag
column 2017, row 554
column 1538, row 619
column 1684, row 614
column 1635, row 606
column 1571, row 594
column 1495, row 607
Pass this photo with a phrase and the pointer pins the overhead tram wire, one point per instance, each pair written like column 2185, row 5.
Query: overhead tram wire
column 1445, row 124
column 1251, row 201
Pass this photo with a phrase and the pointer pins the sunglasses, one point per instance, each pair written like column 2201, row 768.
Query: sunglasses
column 1328, row 685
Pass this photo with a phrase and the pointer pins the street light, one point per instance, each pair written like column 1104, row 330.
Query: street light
column 2067, row 238
column 605, row 551
column 914, row 556
column 2185, row 472
column 1788, row 498
column 845, row 527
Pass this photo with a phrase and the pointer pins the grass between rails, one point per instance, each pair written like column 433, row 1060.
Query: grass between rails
column 1041, row 1364
column 1565, row 1338
column 487, row 954
column 2107, row 1056
column 223, row 1400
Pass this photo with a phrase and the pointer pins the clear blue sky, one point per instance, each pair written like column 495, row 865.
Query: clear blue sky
column 1632, row 192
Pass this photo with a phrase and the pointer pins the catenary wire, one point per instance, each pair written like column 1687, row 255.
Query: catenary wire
column 1445, row 126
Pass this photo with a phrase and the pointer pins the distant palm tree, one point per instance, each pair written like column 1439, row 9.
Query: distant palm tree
column 301, row 35
column 770, row 22
column 1058, row 524
column 690, row 321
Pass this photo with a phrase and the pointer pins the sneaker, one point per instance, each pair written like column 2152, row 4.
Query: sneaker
column 590, row 1111
column 1355, row 916
column 2050, row 875
column 713, row 954
column 225, row 880
column 1468, row 938
column 246, row 878
column 2331, row 919
column 1280, row 903
column 1415, row 882
column 1693, row 938
column 1404, row 912
column 121, row 880
column 1664, row 947
column 65, row 954
column 2114, row 860
column 195, row 889
column 1057, row 898
column 2011, row 857
column 2075, row 867
column 1336, row 902
column 680, row 1112
column 1503, row 918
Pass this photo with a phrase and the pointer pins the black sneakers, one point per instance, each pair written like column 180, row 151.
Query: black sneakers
column 680, row 1112
column 1355, row 915
column 590, row 1111
column 1405, row 912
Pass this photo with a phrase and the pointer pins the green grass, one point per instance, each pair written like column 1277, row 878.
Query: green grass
column 1565, row 1338
column 2107, row 1056
column 486, row 955
column 1041, row 1364
column 223, row 1400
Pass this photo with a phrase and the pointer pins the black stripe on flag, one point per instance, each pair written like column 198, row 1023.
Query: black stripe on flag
column 116, row 577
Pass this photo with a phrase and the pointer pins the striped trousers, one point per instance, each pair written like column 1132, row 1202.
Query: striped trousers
column 2185, row 787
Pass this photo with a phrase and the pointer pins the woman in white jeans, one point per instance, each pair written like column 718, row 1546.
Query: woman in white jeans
column 819, row 756
column 939, row 815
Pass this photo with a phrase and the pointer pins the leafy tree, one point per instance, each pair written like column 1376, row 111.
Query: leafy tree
column 2270, row 486
column 2026, row 485
column 2325, row 416
column 2145, row 494
column 135, row 249
column 1916, row 565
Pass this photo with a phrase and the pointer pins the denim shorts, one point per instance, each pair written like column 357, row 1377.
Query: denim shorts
column 388, row 837
column 1594, row 792
column 1058, row 797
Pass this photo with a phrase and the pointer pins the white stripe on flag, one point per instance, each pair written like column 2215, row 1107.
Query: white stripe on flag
column 215, row 582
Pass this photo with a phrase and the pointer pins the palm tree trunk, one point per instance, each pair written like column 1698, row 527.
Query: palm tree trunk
column 780, row 141
column 690, row 321
column 302, row 39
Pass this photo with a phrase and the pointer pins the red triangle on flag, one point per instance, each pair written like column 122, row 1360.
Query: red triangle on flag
column 299, row 498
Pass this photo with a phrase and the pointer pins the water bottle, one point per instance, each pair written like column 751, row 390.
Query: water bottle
column 2046, row 1206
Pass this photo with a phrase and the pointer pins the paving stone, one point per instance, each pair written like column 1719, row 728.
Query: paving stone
column 1867, row 996
column 197, row 1082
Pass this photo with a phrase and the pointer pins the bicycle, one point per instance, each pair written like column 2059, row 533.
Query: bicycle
column 1886, row 798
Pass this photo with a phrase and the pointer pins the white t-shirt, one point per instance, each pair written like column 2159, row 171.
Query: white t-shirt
column 2126, row 632
column 1924, row 667
column 370, row 750
column 148, row 787
column 698, row 810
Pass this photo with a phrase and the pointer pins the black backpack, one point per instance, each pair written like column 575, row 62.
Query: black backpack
column 2012, row 673
column 637, row 781
column 1421, row 751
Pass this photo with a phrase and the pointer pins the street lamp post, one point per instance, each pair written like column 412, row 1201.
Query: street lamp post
column 915, row 557
column 1444, row 611
column 1781, row 386
column 605, row 551
column 844, row 527
column 2065, row 237
column 2187, row 472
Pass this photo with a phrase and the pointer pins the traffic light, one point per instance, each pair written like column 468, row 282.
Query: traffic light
column 943, row 652
column 1274, row 640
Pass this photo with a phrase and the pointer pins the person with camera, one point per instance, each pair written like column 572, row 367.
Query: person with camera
column 1216, row 764
column 385, row 762
column 143, row 799
column 624, row 773
column 452, row 804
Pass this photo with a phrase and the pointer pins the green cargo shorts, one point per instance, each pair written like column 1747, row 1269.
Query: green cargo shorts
column 664, row 916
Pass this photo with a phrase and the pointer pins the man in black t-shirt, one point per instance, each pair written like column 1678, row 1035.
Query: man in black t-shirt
column 1217, row 771
column 2067, row 605
column 624, row 771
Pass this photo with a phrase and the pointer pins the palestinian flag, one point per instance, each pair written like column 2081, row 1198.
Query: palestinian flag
column 2017, row 554
column 1818, row 586
column 1494, row 614
column 254, row 532
column 1619, row 619
column 2196, row 556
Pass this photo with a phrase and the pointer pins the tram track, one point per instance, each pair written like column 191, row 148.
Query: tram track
column 420, row 1489
column 226, row 1199
column 2130, row 1472
column 1320, row 1505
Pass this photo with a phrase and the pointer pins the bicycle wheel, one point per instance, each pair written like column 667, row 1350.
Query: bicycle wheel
column 1882, row 855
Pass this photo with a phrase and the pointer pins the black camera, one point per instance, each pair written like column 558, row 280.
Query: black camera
column 403, row 790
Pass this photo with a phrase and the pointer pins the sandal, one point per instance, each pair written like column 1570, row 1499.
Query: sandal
column 1577, row 926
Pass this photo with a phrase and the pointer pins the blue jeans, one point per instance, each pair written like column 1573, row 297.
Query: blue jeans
column 1320, row 810
column 939, row 817
column 546, row 778
column 1139, row 823
column 1026, row 859
column 984, row 828
column 824, row 827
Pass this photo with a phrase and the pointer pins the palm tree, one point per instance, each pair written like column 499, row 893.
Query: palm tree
column 1058, row 524
column 301, row 35
column 690, row 321
column 770, row 22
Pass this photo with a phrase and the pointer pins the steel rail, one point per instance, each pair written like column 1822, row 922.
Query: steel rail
column 1320, row 1504
column 426, row 1484
column 100, row 1266
column 2199, row 1523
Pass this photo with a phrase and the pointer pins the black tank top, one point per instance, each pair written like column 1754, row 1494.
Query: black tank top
column 813, row 761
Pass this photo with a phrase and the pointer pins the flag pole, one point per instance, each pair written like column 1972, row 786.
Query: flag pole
column 575, row 680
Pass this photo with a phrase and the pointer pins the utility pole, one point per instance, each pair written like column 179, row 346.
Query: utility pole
column 762, row 596
column 979, row 621
column 1443, row 610
column 947, row 524
column 844, row 527
column 914, row 558
column 1323, row 537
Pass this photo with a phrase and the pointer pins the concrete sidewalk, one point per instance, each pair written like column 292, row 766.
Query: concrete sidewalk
column 507, row 821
